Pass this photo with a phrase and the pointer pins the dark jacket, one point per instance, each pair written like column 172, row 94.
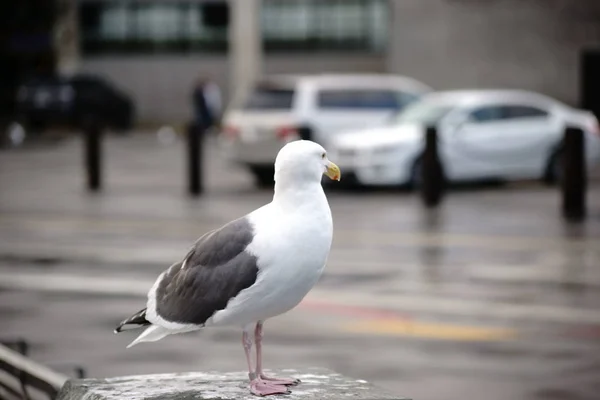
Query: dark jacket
column 202, row 113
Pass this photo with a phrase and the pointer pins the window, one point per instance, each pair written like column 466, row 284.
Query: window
column 192, row 26
column 423, row 113
column 497, row 113
column 524, row 112
column 407, row 99
column 359, row 99
column 90, row 86
column 269, row 98
column 324, row 25
column 487, row 114
column 152, row 26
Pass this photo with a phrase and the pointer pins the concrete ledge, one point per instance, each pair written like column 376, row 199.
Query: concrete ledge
column 317, row 384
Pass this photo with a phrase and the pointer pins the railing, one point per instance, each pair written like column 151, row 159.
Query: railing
column 23, row 379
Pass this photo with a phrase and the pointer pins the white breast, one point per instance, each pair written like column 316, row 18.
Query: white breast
column 292, row 249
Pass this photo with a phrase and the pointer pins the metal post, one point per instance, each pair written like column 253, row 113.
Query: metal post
column 574, row 175
column 432, row 178
column 195, row 149
column 93, row 154
column 35, row 375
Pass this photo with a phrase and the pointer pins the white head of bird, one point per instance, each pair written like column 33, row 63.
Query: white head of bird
column 303, row 162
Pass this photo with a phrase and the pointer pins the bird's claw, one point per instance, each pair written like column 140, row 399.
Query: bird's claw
column 259, row 387
column 280, row 381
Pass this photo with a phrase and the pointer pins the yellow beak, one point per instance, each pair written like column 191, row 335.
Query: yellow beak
column 333, row 171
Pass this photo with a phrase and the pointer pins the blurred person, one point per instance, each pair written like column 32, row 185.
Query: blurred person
column 207, row 104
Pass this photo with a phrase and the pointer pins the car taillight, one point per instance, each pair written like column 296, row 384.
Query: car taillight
column 593, row 126
column 230, row 132
column 287, row 132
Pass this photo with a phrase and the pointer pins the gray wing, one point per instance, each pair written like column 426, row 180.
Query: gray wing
column 215, row 270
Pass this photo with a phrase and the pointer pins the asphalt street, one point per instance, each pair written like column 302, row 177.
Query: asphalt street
column 491, row 296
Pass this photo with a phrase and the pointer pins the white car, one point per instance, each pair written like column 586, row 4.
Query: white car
column 506, row 134
column 284, row 108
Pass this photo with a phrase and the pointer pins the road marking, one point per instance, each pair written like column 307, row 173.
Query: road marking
column 475, row 307
column 351, row 310
column 375, row 321
column 184, row 229
column 404, row 304
column 431, row 330
column 56, row 282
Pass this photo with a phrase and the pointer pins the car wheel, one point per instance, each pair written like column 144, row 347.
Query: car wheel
column 263, row 176
column 33, row 127
column 86, row 120
column 553, row 172
column 121, row 130
column 123, row 125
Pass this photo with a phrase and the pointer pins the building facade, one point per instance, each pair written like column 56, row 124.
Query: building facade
column 156, row 49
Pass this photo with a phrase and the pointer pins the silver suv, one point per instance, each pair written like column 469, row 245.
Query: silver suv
column 280, row 109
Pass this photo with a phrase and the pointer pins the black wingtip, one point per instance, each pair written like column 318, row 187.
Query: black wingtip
column 138, row 319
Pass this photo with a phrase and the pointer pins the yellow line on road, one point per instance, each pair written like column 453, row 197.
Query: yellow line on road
column 430, row 330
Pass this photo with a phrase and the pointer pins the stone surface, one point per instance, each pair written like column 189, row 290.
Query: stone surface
column 317, row 384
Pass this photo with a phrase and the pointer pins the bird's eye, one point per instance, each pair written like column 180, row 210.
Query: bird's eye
column 323, row 156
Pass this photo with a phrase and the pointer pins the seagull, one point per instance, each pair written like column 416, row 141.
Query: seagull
column 253, row 268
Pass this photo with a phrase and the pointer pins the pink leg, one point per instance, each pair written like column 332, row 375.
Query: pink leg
column 258, row 386
column 258, row 335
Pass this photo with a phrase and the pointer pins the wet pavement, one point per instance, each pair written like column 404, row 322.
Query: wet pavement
column 492, row 295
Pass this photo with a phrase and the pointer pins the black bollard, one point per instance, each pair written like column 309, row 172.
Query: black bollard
column 432, row 177
column 93, row 154
column 574, row 175
column 305, row 133
column 195, row 140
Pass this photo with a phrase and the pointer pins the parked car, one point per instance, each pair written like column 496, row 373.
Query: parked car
column 45, row 102
column 283, row 108
column 506, row 134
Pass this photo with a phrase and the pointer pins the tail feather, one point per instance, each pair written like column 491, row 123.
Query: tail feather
column 151, row 334
column 138, row 319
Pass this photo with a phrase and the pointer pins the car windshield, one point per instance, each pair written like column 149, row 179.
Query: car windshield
column 422, row 113
column 269, row 98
